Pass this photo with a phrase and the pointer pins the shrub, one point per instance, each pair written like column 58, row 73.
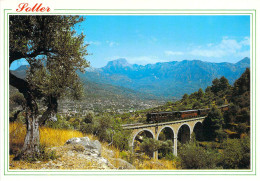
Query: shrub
column 170, row 156
column 120, row 139
column 87, row 128
column 127, row 156
column 236, row 153
column 221, row 135
column 150, row 145
column 43, row 155
column 59, row 124
column 193, row 156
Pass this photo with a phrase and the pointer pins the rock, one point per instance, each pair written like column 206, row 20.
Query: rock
column 110, row 153
column 121, row 164
column 93, row 147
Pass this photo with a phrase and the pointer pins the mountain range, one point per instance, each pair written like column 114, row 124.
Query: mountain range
column 163, row 80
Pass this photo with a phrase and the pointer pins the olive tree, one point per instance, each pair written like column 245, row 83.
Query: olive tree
column 55, row 52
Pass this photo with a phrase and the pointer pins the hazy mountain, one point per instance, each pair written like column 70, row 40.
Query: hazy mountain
column 20, row 71
column 167, row 79
column 96, row 89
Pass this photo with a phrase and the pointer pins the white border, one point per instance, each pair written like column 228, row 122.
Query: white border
column 5, row 5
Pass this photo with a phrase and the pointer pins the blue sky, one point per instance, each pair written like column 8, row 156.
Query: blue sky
column 151, row 39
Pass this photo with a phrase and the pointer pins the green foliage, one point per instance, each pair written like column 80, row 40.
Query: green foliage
column 54, row 52
column 120, row 139
column 107, row 129
column 221, row 135
column 230, row 115
column 212, row 125
column 62, row 52
column 200, row 93
column 166, row 149
column 219, row 151
column 170, row 156
column 236, row 153
column 220, row 86
column 127, row 156
column 185, row 96
column 61, row 123
column 242, row 128
column 242, row 85
column 18, row 99
column 42, row 155
column 150, row 145
column 193, row 156
column 88, row 118
column 239, row 112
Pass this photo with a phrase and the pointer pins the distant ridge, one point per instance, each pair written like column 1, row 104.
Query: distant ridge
column 165, row 80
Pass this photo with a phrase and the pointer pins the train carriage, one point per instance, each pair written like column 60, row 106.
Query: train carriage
column 203, row 112
column 161, row 117
column 224, row 107
column 176, row 115
column 188, row 114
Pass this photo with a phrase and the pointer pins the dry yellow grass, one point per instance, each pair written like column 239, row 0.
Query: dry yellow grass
column 55, row 138
column 152, row 164
column 17, row 132
column 48, row 136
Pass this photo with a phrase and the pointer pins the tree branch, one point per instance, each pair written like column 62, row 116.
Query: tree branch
column 50, row 113
column 14, row 55
column 20, row 84
column 24, row 88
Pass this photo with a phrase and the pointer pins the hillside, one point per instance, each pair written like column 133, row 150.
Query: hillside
column 121, row 87
column 101, row 97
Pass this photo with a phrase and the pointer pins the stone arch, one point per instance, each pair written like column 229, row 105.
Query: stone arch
column 148, row 133
column 198, row 131
column 163, row 129
column 184, row 132
column 147, row 130
column 169, row 135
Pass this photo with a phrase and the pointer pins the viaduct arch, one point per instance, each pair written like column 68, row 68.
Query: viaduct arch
column 181, row 129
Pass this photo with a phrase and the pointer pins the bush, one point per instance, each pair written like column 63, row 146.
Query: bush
column 120, row 139
column 193, row 156
column 150, row 145
column 166, row 149
column 87, row 128
column 170, row 156
column 221, row 135
column 127, row 156
column 43, row 155
column 59, row 124
column 236, row 153
column 212, row 125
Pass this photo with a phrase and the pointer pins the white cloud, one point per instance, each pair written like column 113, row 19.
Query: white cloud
column 94, row 43
column 112, row 43
column 246, row 41
column 168, row 52
column 224, row 48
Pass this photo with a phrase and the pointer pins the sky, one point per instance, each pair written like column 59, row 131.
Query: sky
column 149, row 39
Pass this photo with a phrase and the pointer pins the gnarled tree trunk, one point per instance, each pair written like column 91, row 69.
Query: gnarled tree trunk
column 31, row 147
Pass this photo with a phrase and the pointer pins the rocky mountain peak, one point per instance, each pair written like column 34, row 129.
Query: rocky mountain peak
column 118, row 63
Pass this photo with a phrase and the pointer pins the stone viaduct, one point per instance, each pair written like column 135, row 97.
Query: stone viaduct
column 179, row 130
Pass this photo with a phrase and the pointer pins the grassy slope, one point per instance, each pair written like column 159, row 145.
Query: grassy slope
column 57, row 138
